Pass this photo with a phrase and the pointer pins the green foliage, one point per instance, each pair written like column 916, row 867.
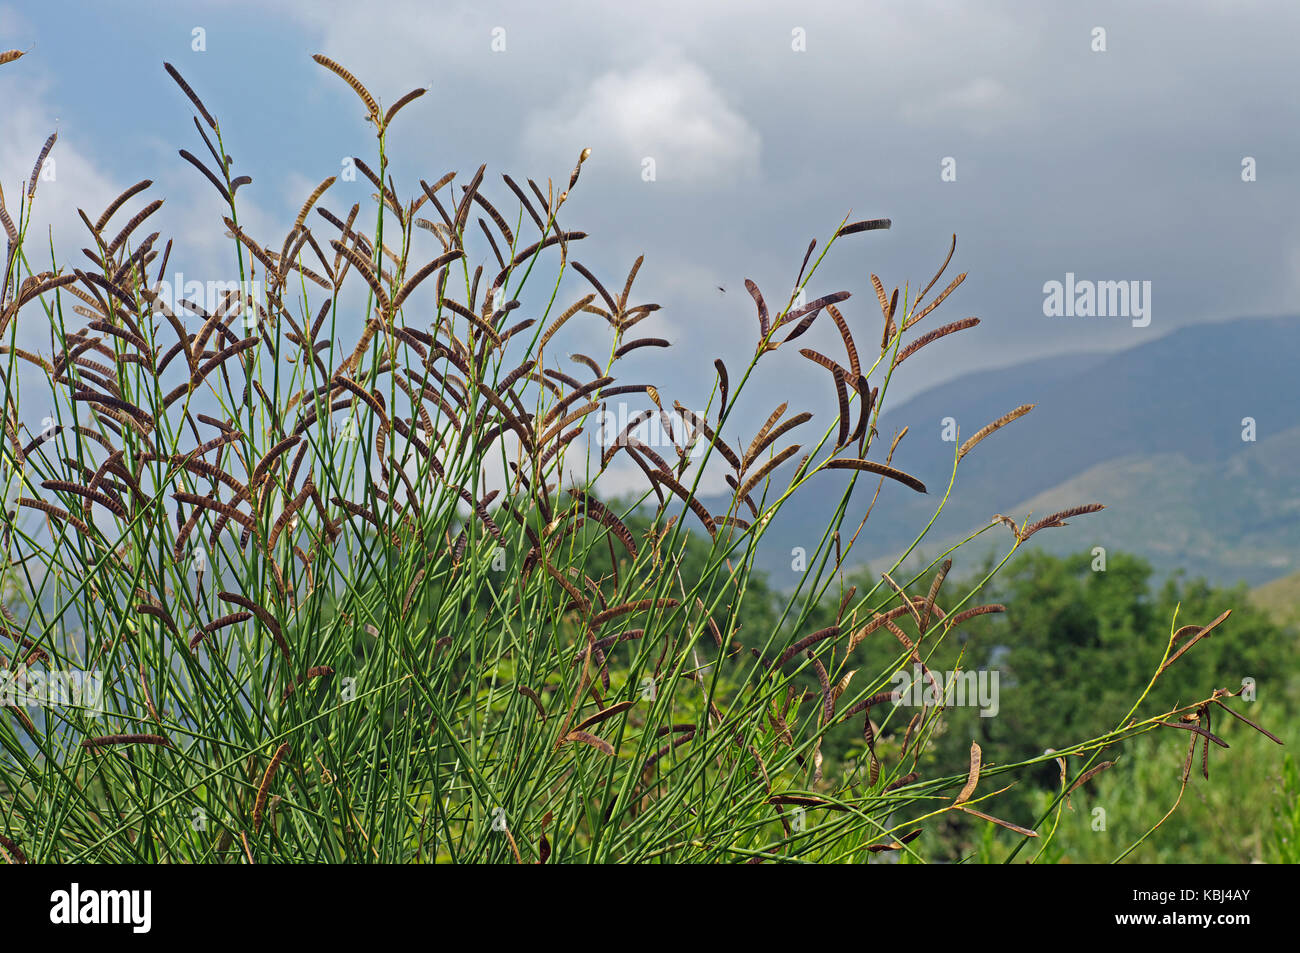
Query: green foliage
column 1075, row 647
column 1283, row 843
column 1080, row 644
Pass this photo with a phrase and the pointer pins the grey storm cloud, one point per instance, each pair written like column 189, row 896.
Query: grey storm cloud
column 767, row 123
column 1120, row 165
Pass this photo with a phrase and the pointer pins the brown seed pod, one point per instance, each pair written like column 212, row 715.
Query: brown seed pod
column 1058, row 519
column 260, row 804
column 700, row 424
column 600, row 744
column 942, row 268
column 39, row 288
column 193, row 97
column 998, row 424
column 757, row 476
column 1202, row 633
column 40, row 162
column 855, row 368
column 631, row 346
column 106, row 741
column 640, row 605
column 133, row 224
column 809, row 313
column 1088, row 775
column 973, row 776
column 865, row 226
column 895, row 845
column 394, row 109
column 760, row 440
column 845, row 463
column 934, row 594
column 952, row 286
column 85, row 492
column 662, row 476
column 362, row 264
column 413, row 282
column 828, row 698
column 11, row 231
column 723, row 385
column 161, row 614
column 932, row 336
column 462, row 212
column 364, row 94
column 5, row 842
column 264, row 465
column 805, row 643
column 534, row 698
column 764, row 325
column 603, row 714
column 600, row 289
column 976, row 611
column 57, row 514
column 804, row 800
column 902, row 782
column 288, row 514
column 595, row 509
column 264, row 616
column 211, row 503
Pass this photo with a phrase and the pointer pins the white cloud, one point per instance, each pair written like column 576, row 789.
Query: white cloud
column 77, row 179
column 669, row 110
column 72, row 180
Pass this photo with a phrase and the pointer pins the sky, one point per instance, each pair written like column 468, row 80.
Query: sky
column 1136, row 142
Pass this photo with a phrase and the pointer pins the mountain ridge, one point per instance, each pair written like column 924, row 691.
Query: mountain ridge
column 1222, row 489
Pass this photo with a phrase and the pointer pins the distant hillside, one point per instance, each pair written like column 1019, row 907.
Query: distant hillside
column 1280, row 599
column 1154, row 432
